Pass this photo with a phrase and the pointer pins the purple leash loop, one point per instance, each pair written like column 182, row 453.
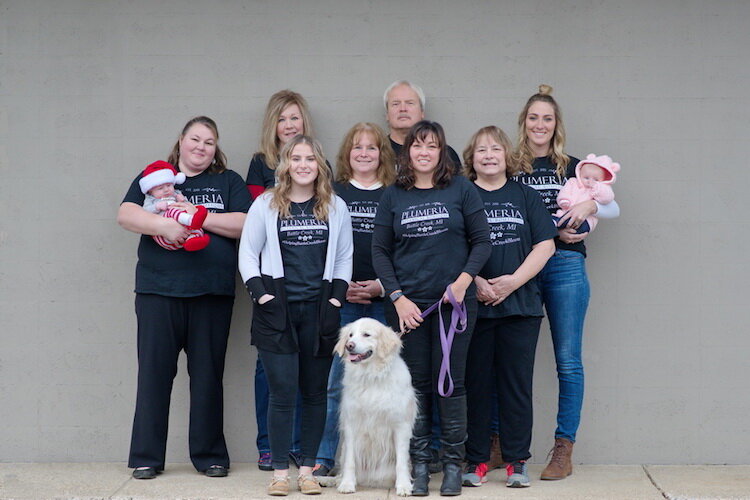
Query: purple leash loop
column 458, row 315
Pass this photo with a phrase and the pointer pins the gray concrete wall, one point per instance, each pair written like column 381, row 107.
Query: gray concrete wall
column 91, row 92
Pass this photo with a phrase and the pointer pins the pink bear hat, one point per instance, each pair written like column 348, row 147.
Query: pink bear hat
column 605, row 163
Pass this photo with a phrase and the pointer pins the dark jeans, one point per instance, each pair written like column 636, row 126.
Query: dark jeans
column 166, row 326
column 505, row 347
column 261, row 413
column 583, row 228
column 423, row 355
column 289, row 373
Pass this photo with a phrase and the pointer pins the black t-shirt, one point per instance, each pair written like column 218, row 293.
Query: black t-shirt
column 546, row 182
column 304, row 242
column 189, row 274
column 451, row 154
column 518, row 220
column 362, row 205
column 258, row 174
column 430, row 236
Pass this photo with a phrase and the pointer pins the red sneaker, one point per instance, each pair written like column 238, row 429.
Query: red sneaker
column 475, row 475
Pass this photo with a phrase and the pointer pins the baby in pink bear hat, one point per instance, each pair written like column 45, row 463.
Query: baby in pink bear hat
column 157, row 183
column 593, row 181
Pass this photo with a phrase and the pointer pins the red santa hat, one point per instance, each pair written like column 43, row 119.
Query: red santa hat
column 158, row 173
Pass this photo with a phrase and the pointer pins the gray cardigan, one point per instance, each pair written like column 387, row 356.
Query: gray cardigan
column 262, row 270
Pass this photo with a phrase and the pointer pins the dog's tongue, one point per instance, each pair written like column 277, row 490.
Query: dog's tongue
column 354, row 358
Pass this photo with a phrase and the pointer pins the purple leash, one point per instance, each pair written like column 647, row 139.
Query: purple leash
column 458, row 315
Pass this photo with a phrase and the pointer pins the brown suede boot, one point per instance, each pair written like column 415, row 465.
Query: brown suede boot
column 496, row 456
column 560, row 465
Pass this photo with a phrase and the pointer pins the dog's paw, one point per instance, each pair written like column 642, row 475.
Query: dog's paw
column 403, row 489
column 347, row 486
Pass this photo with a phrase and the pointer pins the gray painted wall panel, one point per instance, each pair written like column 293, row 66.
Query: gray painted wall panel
column 91, row 92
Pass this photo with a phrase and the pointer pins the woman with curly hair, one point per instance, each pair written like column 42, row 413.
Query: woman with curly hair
column 295, row 257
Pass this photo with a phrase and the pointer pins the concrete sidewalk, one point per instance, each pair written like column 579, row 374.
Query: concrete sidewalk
column 113, row 481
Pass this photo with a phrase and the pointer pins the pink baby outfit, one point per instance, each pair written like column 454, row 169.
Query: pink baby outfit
column 574, row 191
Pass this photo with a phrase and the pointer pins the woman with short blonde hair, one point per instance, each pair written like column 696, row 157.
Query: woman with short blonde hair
column 510, row 310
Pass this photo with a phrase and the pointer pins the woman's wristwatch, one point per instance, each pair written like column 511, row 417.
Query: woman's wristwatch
column 396, row 295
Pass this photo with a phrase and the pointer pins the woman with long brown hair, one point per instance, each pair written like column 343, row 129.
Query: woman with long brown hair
column 431, row 239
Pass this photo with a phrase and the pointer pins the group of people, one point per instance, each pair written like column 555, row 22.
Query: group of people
column 404, row 223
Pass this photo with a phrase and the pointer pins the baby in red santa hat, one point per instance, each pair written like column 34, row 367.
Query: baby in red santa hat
column 157, row 183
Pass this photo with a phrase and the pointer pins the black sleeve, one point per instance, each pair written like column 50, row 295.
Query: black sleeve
column 254, row 177
column 239, row 197
column 255, row 288
column 258, row 174
column 338, row 290
column 479, row 234
column 134, row 194
column 382, row 257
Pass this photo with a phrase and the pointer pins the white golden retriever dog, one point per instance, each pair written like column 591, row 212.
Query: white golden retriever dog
column 378, row 408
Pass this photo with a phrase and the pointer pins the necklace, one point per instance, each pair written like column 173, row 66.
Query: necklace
column 303, row 210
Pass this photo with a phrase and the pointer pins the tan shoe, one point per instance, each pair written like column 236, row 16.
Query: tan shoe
column 279, row 486
column 560, row 465
column 309, row 485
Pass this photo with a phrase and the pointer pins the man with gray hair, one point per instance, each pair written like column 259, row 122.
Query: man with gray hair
column 404, row 106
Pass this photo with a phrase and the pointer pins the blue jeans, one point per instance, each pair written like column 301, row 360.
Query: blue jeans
column 330, row 442
column 566, row 292
column 261, row 413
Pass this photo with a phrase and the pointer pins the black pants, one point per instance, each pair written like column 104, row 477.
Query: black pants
column 167, row 325
column 423, row 355
column 507, row 345
column 289, row 373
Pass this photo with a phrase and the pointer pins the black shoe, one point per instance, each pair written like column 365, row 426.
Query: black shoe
column 144, row 472
column 451, row 480
column 421, row 473
column 216, row 471
column 321, row 470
